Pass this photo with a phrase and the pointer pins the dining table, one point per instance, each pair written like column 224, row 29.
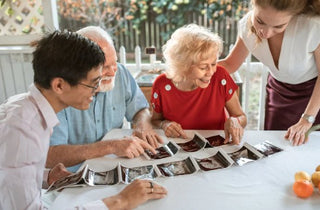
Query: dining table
column 265, row 183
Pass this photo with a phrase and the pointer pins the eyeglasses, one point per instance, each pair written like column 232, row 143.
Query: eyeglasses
column 94, row 88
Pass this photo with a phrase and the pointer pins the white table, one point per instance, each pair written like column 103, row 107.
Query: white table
column 263, row 184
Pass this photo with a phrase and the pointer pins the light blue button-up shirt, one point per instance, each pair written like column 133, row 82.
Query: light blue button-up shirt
column 106, row 112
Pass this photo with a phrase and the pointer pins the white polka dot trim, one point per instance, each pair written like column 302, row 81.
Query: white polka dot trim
column 223, row 82
column 230, row 91
column 155, row 95
column 167, row 87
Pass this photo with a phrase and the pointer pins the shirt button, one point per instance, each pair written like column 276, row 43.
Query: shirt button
column 113, row 108
column 98, row 121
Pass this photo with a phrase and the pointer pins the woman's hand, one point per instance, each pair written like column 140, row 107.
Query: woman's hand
column 173, row 129
column 297, row 132
column 233, row 129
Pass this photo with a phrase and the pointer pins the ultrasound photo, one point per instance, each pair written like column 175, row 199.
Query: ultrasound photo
column 215, row 141
column 243, row 156
column 106, row 177
column 69, row 181
column 177, row 168
column 141, row 172
column 164, row 151
column 214, row 162
column 267, row 149
column 193, row 145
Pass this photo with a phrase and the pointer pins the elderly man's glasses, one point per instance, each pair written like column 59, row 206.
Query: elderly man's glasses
column 94, row 88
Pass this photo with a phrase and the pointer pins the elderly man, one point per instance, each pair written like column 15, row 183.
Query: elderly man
column 78, row 136
column 65, row 64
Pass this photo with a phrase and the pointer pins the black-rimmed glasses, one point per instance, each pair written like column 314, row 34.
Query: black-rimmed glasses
column 94, row 88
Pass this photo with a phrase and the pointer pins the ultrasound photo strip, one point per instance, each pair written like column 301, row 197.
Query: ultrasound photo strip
column 121, row 174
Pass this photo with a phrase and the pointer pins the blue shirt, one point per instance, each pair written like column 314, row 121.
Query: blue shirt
column 106, row 112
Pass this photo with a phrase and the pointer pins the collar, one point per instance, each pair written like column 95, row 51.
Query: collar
column 44, row 107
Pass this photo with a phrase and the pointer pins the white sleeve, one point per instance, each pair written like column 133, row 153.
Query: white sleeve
column 313, row 33
column 94, row 205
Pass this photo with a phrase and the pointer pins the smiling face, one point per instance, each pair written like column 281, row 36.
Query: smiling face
column 269, row 22
column 109, row 68
column 202, row 72
column 81, row 95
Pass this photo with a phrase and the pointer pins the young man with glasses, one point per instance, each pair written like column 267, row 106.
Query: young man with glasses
column 63, row 62
column 79, row 135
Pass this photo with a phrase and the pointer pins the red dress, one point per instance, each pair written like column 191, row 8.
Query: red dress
column 202, row 108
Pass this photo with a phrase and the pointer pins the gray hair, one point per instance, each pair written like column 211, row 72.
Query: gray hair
column 96, row 34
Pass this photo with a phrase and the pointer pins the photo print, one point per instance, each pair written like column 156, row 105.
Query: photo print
column 245, row 154
column 217, row 161
column 177, row 168
column 106, row 177
column 164, row 151
column 141, row 172
column 215, row 141
column 267, row 148
column 195, row 144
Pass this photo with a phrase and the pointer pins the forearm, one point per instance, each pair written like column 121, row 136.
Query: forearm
column 141, row 119
column 242, row 120
column 156, row 123
column 314, row 102
column 115, row 202
column 236, row 57
column 227, row 66
column 71, row 155
column 157, row 120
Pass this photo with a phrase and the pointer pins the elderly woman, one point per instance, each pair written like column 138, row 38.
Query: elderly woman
column 195, row 93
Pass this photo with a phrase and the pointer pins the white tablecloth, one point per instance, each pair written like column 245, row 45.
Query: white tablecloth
column 263, row 184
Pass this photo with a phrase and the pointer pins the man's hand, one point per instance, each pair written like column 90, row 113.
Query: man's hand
column 57, row 172
column 149, row 135
column 142, row 128
column 130, row 147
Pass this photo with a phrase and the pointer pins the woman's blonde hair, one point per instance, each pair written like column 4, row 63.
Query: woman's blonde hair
column 294, row 7
column 187, row 46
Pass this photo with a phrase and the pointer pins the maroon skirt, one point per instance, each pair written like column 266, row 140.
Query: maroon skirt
column 285, row 103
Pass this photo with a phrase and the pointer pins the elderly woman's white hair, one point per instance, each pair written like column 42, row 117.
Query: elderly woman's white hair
column 96, row 34
column 188, row 46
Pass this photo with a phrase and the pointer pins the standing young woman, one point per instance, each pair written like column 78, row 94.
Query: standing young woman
column 284, row 35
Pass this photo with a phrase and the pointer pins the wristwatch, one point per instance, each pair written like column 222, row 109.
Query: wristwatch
column 308, row 118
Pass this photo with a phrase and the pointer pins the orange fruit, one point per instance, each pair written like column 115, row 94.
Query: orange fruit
column 318, row 168
column 302, row 189
column 315, row 178
column 302, row 175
